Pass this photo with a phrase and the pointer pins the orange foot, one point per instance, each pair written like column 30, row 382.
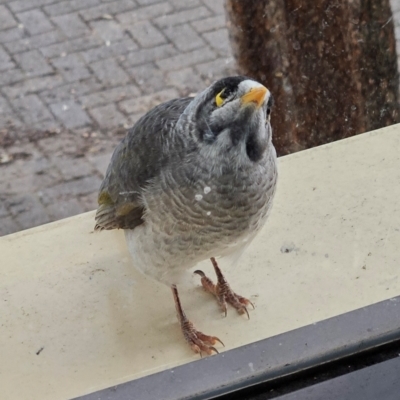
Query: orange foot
column 223, row 292
column 198, row 341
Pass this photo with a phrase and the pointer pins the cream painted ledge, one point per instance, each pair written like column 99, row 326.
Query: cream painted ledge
column 77, row 317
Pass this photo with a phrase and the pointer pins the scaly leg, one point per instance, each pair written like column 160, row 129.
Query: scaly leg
column 223, row 292
column 198, row 341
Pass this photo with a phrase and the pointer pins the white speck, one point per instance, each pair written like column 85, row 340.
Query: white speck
column 20, row 26
column 208, row 212
column 65, row 107
column 108, row 43
column 63, row 54
column 207, row 190
column 198, row 197
column 251, row 366
column 245, row 240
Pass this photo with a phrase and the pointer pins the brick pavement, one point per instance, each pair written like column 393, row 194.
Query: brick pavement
column 74, row 74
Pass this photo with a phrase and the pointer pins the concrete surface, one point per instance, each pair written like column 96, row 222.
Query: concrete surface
column 77, row 317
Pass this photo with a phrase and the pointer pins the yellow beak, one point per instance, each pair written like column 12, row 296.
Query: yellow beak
column 255, row 95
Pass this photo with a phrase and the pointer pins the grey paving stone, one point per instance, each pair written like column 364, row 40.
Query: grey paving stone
column 185, row 4
column 113, row 7
column 11, row 34
column 11, row 76
column 109, row 72
column 113, row 49
column 209, row 24
column 69, row 6
column 186, row 81
column 219, row 40
column 33, row 85
column 184, row 37
column 6, row 18
column 186, row 59
column 66, row 208
column 71, row 25
column 108, row 30
column 71, row 169
column 217, row 6
column 182, row 17
column 35, row 21
column 8, row 225
column 71, row 46
column 108, row 116
column 146, row 34
column 113, row 95
column 216, row 69
column 145, row 13
column 70, row 114
column 34, row 42
column 71, row 67
column 145, row 103
column 5, row 60
column 33, row 63
column 3, row 210
column 100, row 162
column 148, row 77
column 144, row 56
column 22, row 5
column 147, row 2
column 31, row 109
column 89, row 201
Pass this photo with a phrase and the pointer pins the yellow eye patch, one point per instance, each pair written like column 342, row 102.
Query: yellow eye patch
column 219, row 99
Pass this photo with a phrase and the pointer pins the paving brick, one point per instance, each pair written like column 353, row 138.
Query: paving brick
column 6, row 18
column 185, row 4
column 71, row 91
column 209, row 24
column 71, row 67
column 65, row 208
column 216, row 69
column 22, row 5
column 69, row 6
column 108, row 116
column 186, row 81
column 71, row 189
column 144, row 13
column 70, row 114
column 184, row 37
column 4, row 106
column 147, row 2
column 34, row 42
column 8, row 225
column 217, row 6
column 114, row 7
column 145, row 103
column 71, row 25
column 33, row 63
column 186, row 59
column 109, row 72
column 146, row 34
column 100, row 162
column 123, row 47
column 89, row 202
column 219, row 40
column 182, row 17
column 110, row 96
column 11, row 76
column 5, row 60
column 31, row 109
column 144, row 56
column 11, row 34
column 108, row 30
column 33, row 85
column 35, row 21
column 70, row 169
column 148, row 77
column 71, row 46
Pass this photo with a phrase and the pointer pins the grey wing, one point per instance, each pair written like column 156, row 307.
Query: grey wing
column 139, row 157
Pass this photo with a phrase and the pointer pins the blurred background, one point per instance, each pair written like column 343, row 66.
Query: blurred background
column 75, row 74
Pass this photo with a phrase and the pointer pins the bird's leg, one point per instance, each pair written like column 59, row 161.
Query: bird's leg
column 223, row 292
column 198, row 341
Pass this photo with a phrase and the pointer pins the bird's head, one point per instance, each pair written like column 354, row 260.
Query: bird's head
column 233, row 116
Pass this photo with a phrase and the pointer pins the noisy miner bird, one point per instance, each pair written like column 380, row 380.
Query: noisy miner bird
column 194, row 179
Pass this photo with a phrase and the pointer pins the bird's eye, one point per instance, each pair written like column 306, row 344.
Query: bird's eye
column 268, row 113
column 219, row 98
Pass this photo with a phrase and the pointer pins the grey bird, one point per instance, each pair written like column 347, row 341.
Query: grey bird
column 194, row 179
